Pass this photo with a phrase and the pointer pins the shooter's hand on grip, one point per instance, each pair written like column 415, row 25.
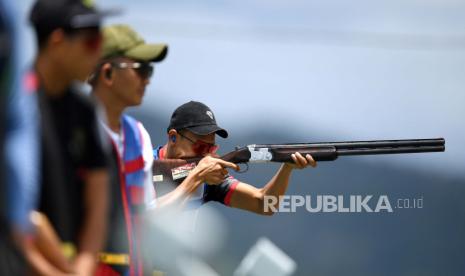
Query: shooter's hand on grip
column 213, row 170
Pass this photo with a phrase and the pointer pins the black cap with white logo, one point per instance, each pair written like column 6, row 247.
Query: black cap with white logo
column 48, row 15
column 197, row 118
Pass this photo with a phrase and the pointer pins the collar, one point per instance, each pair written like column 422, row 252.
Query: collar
column 161, row 152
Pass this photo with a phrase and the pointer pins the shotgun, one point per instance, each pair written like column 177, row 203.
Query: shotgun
column 177, row 169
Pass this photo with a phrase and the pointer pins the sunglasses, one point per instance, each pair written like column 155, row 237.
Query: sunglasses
column 200, row 147
column 143, row 69
column 91, row 38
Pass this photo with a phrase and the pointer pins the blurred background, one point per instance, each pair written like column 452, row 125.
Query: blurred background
column 308, row 71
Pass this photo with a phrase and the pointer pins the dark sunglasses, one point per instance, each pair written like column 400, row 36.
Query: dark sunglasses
column 143, row 69
column 200, row 147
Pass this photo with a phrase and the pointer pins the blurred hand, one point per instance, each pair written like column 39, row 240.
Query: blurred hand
column 85, row 264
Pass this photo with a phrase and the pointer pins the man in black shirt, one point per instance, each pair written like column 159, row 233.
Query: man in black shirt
column 74, row 160
column 191, row 134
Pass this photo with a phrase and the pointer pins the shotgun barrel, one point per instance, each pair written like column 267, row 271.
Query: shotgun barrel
column 329, row 151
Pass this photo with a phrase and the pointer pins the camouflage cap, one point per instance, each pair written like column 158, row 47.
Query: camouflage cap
column 122, row 40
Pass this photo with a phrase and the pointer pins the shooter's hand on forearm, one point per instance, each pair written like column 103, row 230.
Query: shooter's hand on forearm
column 300, row 162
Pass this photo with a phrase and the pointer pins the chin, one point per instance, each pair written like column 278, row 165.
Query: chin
column 179, row 155
column 135, row 102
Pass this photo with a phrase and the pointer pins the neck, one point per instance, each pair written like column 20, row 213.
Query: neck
column 51, row 77
column 114, row 118
column 113, row 109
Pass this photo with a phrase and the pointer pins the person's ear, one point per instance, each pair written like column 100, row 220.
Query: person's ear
column 106, row 71
column 172, row 136
column 56, row 37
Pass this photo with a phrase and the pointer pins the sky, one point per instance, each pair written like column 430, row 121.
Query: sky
column 321, row 70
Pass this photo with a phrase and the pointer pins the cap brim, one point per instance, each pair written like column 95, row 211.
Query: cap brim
column 92, row 18
column 208, row 129
column 148, row 52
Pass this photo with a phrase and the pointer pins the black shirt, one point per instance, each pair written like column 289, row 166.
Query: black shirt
column 72, row 144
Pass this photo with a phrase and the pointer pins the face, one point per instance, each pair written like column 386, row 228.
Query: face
column 190, row 145
column 78, row 52
column 129, row 80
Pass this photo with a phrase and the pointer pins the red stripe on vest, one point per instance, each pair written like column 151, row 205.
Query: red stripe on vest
column 127, row 212
column 137, row 195
column 134, row 165
column 105, row 270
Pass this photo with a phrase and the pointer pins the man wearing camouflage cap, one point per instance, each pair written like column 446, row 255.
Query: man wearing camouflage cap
column 118, row 82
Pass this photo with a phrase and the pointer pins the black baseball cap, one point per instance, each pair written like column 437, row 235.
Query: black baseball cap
column 197, row 118
column 49, row 15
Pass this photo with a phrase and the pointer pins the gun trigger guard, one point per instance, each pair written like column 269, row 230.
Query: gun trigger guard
column 243, row 171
